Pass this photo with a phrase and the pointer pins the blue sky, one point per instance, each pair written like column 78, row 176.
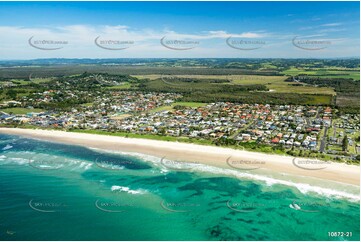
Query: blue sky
column 209, row 29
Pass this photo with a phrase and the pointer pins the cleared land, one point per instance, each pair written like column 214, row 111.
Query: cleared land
column 124, row 86
column 325, row 73
column 347, row 101
column 274, row 83
column 21, row 110
column 22, row 82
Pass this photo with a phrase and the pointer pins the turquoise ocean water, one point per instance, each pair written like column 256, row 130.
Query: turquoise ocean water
column 51, row 191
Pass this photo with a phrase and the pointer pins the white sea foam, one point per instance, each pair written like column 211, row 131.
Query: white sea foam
column 45, row 161
column 45, row 166
column 164, row 171
column 146, row 158
column 269, row 181
column 295, row 206
column 127, row 190
column 7, row 147
column 141, row 156
column 302, row 187
column 72, row 164
column 85, row 165
column 20, row 161
column 110, row 166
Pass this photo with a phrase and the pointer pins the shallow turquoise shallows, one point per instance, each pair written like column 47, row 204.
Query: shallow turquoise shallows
column 51, row 191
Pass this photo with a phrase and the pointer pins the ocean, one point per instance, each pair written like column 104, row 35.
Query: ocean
column 53, row 191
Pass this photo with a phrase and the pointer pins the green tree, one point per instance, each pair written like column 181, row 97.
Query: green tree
column 345, row 143
column 12, row 94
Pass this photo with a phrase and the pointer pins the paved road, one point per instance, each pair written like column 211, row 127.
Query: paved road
column 323, row 141
column 318, row 113
column 324, row 138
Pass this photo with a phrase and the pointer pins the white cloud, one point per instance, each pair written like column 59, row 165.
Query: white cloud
column 14, row 42
column 331, row 25
column 331, row 30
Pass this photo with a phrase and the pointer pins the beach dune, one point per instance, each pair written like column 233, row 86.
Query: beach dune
column 210, row 155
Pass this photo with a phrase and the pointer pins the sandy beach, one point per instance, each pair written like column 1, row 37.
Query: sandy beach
column 210, row 155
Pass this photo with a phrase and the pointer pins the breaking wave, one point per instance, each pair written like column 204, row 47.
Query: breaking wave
column 127, row 190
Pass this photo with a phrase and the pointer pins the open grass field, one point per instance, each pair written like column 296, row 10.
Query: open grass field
column 87, row 104
column 125, row 86
column 347, row 101
column 21, row 110
column 121, row 116
column 274, row 83
column 21, row 82
column 325, row 73
column 161, row 109
column 189, row 104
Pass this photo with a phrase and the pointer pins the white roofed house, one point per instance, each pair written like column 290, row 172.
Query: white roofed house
column 246, row 137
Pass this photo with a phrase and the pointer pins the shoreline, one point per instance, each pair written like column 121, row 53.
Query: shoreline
column 209, row 155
